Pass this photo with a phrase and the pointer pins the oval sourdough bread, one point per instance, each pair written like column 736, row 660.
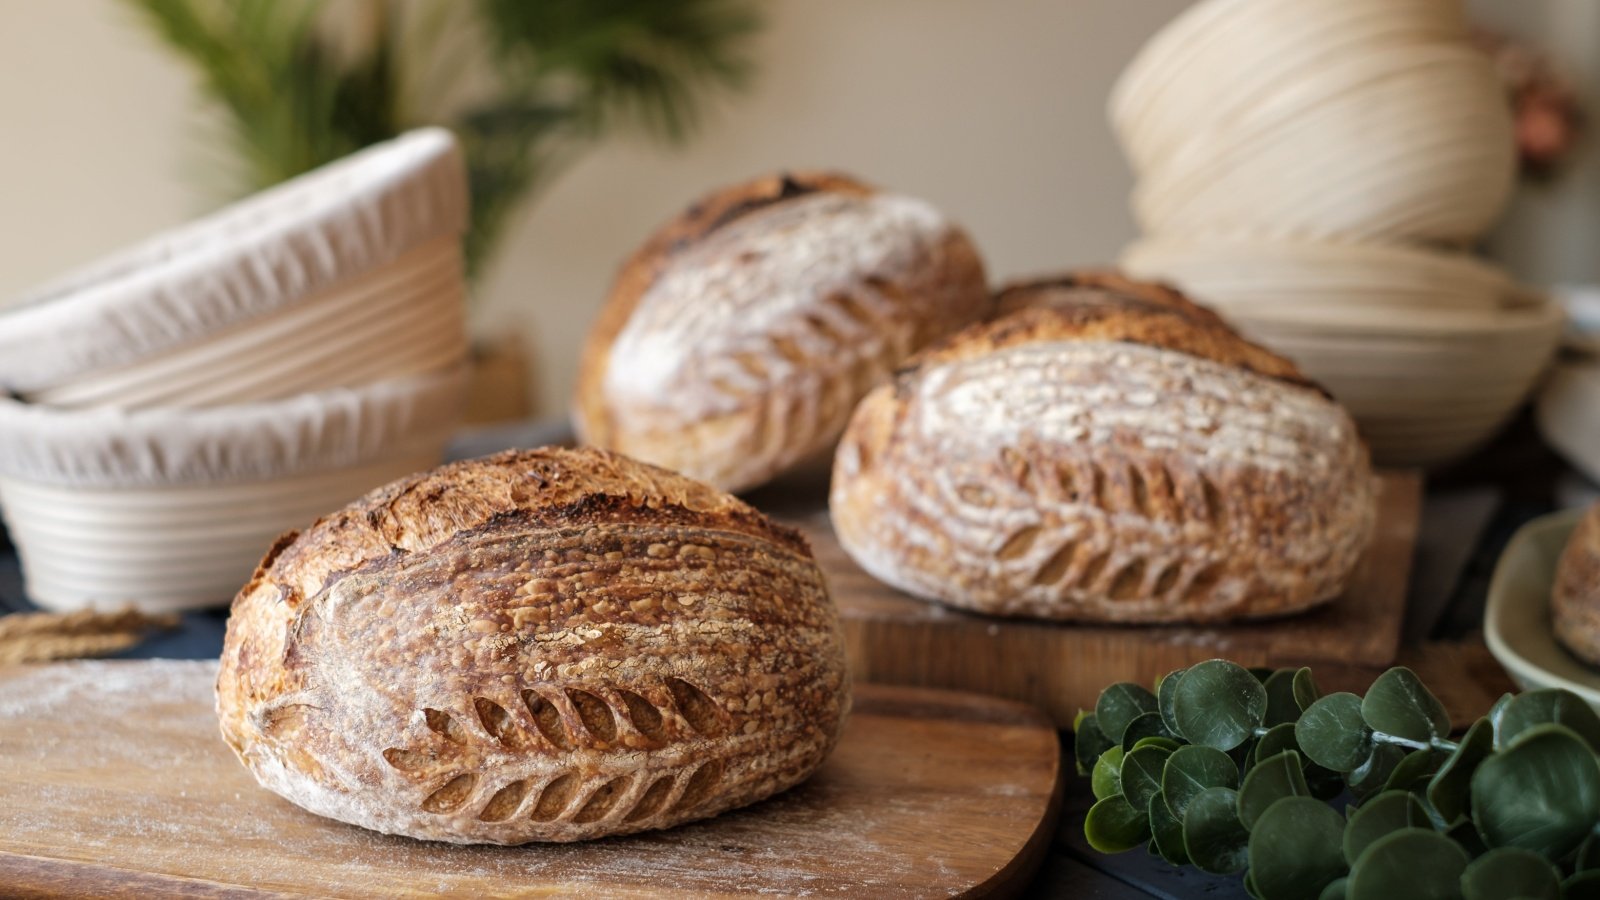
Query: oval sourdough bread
column 738, row 339
column 549, row 645
column 1106, row 452
column 1575, row 600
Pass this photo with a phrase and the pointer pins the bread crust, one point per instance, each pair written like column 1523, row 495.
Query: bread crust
column 547, row 645
column 1105, row 461
column 737, row 340
column 1575, row 599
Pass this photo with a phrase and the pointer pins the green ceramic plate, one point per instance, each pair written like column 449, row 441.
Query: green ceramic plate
column 1517, row 623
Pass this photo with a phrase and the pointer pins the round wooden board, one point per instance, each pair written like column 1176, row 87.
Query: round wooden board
column 117, row 783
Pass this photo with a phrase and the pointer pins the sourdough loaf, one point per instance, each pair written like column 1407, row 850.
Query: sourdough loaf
column 1105, row 452
column 738, row 339
column 1575, row 600
column 549, row 645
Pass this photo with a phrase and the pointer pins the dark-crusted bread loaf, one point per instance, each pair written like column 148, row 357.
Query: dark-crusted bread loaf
column 1575, row 599
column 1114, row 455
column 549, row 645
column 738, row 339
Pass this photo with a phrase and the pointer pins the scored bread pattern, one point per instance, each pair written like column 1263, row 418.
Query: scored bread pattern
column 750, row 350
column 606, row 665
column 1103, row 481
column 555, row 720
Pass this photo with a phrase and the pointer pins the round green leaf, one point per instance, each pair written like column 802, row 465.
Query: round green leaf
column 1294, row 849
column 1511, row 872
column 1388, row 812
column 1106, row 780
column 1542, row 792
column 1448, row 789
column 1414, row 770
column 1088, row 741
column 1165, row 743
column 1166, row 691
column 1561, row 707
column 1277, row 739
column 1192, row 769
column 1305, row 689
column 1113, row 825
column 1141, row 774
column 1166, row 830
column 1335, row 889
column 1331, row 733
column 1144, row 726
column 1213, row 837
column 1399, row 704
column 1119, row 705
column 1271, row 780
column 1412, row 863
column 1218, row 704
column 1370, row 777
column 1281, row 705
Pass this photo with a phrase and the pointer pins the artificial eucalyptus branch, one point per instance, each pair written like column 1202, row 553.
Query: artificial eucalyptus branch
column 1231, row 769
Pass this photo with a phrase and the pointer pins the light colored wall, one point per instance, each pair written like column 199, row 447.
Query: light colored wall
column 993, row 109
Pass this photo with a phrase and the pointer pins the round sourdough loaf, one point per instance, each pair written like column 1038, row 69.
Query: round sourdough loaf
column 1109, row 452
column 1575, row 600
column 549, row 645
column 738, row 339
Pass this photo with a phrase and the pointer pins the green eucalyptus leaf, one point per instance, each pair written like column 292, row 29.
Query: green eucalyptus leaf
column 1119, row 705
column 1412, row 863
column 1141, row 774
column 1148, row 725
column 1332, row 733
column 1278, row 738
column 1510, row 872
column 1448, row 791
column 1496, row 711
column 1250, row 885
column 1192, row 769
column 1281, row 705
column 1166, row 695
column 1271, row 780
column 1088, row 741
column 1294, row 848
column 1399, row 704
column 1113, row 825
column 1335, row 889
column 1370, row 777
column 1549, row 705
column 1542, row 792
column 1388, row 812
column 1213, row 837
column 1219, row 704
column 1165, row 743
column 1305, row 689
column 1415, row 770
column 1106, row 780
column 1583, row 885
column 1166, row 830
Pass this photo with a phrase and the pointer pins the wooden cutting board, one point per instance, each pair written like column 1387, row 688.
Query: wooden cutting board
column 116, row 783
column 894, row 638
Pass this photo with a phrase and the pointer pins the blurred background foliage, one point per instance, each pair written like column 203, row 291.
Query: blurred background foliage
column 526, row 84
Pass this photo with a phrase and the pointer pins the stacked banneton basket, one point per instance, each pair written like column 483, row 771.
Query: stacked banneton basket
column 1316, row 170
column 169, row 411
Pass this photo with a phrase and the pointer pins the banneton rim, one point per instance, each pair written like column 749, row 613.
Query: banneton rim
column 546, row 645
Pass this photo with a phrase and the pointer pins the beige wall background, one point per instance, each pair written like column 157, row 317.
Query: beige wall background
column 993, row 110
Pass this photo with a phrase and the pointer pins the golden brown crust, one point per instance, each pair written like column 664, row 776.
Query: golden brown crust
column 1105, row 461
column 1575, row 599
column 795, row 331
column 1103, row 304
column 544, row 645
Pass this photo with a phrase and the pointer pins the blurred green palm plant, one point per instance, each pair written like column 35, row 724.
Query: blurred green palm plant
column 525, row 84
